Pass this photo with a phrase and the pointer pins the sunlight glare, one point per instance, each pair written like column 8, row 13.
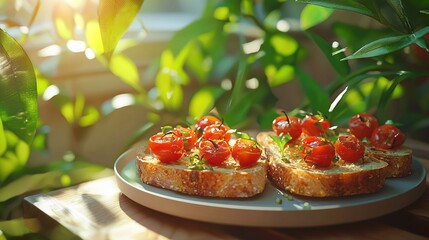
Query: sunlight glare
column 89, row 53
column 253, row 46
column 335, row 44
column 252, row 83
column 50, row 92
column 282, row 25
column 49, row 51
column 122, row 100
column 76, row 46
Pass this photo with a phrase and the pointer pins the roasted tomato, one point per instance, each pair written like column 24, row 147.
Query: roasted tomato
column 387, row 136
column 349, row 148
column 246, row 152
column 318, row 151
column 217, row 132
column 204, row 122
column 362, row 125
column 315, row 125
column 167, row 147
column 214, row 152
column 187, row 135
column 283, row 125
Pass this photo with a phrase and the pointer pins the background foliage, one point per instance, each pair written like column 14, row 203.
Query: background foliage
column 214, row 63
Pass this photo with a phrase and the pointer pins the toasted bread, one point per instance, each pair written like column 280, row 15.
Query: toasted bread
column 228, row 181
column 341, row 179
column 399, row 160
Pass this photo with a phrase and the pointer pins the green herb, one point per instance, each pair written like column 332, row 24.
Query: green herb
column 281, row 143
column 196, row 162
column 279, row 201
column 306, row 206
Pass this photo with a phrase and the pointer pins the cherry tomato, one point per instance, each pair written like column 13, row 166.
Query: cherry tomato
column 187, row 135
column 283, row 125
column 362, row 125
column 349, row 148
column 246, row 152
column 204, row 122
column 315, row 125
column 387, row 136
column 217, row 132
column 318, row 151
column 166, row 147
column 214, row 152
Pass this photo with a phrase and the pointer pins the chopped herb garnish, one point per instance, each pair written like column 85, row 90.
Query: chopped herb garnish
column 306, row 206
column 279, row 201
column 281, row 142
column 196, row 162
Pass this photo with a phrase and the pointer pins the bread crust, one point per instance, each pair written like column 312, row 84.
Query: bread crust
column 297, row 177
column 219, row 182
column 399, row 160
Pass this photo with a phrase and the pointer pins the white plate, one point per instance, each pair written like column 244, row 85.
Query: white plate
column 263, row 210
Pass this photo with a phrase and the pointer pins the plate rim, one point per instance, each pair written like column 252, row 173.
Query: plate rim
column 261, row 216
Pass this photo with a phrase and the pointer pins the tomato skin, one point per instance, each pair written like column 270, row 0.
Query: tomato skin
column 362, row 125
column 314, row 125
column 318, row 151
column 166, row 147
column 214, row 152
column 246, row 152
column 387, row 136
column 349, row 148
column 217, row 132
column 204, row 122
column 283, row 125
column 188, row 136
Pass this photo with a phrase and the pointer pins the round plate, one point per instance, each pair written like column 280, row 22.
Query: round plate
column 271, row 208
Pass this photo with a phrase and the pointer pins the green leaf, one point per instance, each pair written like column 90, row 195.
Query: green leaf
column 312, row 15
column 387, row 45
column 169, row 90
column 348, row 5
column 192, row 31
column 63, row 16
column 317, row 97
column 280, row 76
column 124, row 68
column 341, row 67
column 204, row 100
column 17, row 227
column 115, row 16
column 284, row 44
column 18, row 91
column 398, row 8
column 3, row 143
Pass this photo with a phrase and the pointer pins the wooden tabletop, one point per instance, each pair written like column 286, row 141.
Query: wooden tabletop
column 98, row 210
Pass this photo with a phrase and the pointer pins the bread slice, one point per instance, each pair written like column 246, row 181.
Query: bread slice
column 229, row 181
column 341, row 179
column 399, row 160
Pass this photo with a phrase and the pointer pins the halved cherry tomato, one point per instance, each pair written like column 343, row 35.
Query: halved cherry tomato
column 217, row 132
column 318, row 151
column 362, row 125
column 283, row 125
column 315, row 125
column 387, row 136
column 214, row 152
column 246, row 152
column 188, row 136
column 349, row 148
column 166, row 147
column 204, row 122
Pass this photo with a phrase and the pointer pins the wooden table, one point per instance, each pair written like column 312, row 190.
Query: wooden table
column 98, row 210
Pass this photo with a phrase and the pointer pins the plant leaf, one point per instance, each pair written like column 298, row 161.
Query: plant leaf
column 348, row 5
column 18, row 92
column 317, row 97
column 341, row 67
column 312, row 15
column 115, row 16
column 124, row 68
column 204, row 100
column 387, row 45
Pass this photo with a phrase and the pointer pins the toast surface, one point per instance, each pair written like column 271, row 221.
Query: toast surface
column 229, row 181
column 341, row 179
column 399, row 160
